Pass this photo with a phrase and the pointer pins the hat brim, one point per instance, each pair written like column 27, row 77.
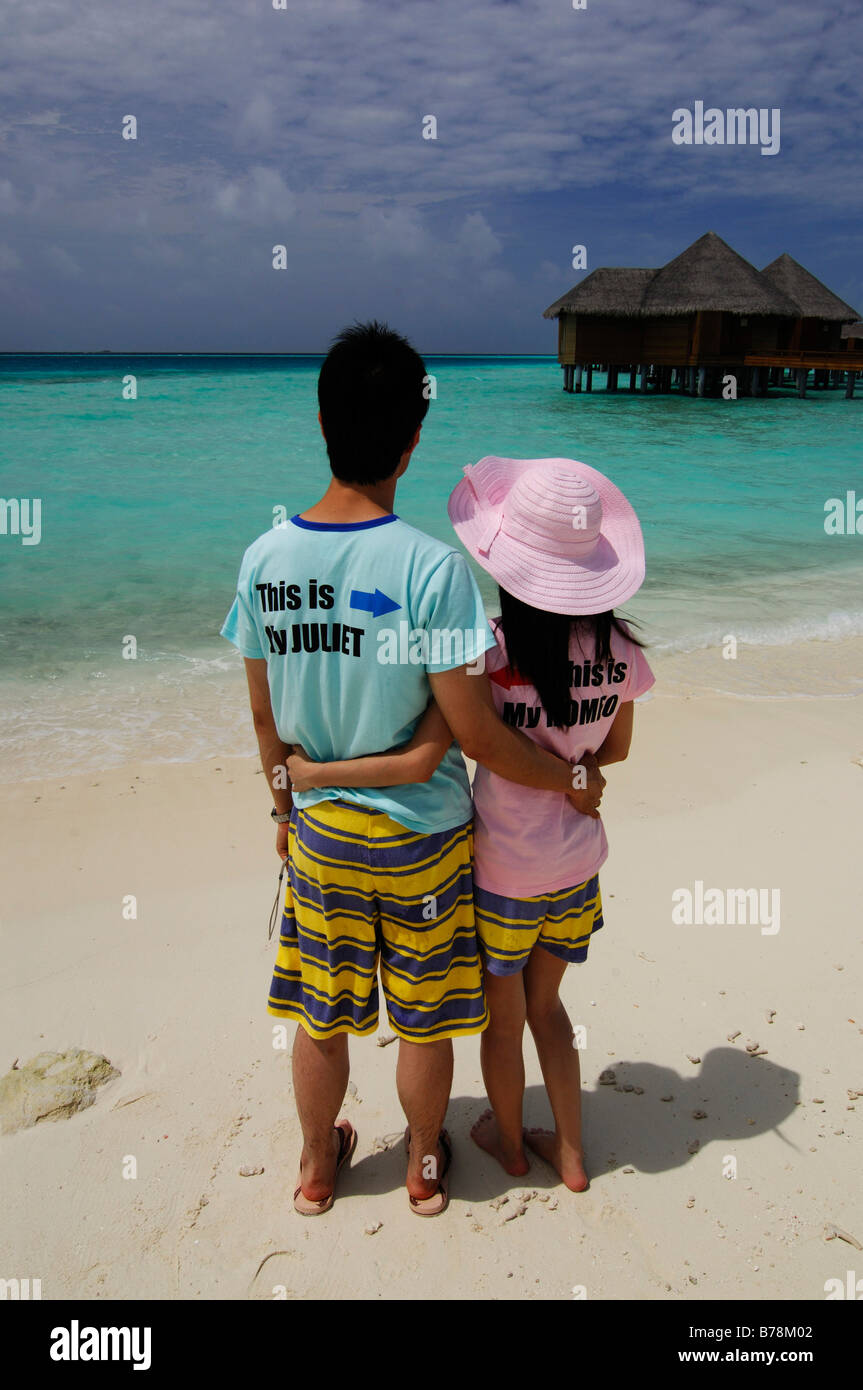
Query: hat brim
column 556, row 583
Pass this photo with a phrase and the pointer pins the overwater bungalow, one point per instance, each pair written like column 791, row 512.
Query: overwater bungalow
column 852, row 335
column 705, row 315
column 823, row 313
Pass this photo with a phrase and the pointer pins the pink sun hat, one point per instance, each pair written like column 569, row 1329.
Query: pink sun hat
column 555, row 533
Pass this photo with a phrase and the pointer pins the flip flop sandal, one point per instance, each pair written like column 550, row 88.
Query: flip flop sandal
column 347, row 1143
column 439, row 1200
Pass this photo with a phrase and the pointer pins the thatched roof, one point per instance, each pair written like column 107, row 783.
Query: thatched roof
column 814, row 299
column 708, row 275
column 853, row 330
column 614, row 290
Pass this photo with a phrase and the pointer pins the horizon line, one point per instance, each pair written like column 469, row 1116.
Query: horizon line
column 146, row 352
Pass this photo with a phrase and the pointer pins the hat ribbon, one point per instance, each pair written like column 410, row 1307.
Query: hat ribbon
column 484, row 543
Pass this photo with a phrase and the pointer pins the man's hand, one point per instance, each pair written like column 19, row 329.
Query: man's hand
column 586, row 794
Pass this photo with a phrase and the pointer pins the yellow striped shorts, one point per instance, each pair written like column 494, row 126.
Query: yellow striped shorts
column 562, row 922
column 365, row 893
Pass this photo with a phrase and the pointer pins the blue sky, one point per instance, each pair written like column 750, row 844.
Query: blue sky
column 303, row 126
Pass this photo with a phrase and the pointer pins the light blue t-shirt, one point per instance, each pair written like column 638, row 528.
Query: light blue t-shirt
column 350, row 619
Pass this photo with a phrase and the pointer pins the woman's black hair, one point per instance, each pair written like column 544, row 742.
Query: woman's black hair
column 538, row 648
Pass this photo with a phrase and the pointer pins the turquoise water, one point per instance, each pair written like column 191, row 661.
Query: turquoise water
column 147, row 506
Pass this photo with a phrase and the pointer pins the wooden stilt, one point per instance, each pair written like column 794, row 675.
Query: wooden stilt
column 702, row 379
column 849, row 386
column 645, row 372
column 633, row 373
column 690, row 381
column 578, row 371
column 611, row 380
column 802, row 375
column 755, row 382
column 588, row 385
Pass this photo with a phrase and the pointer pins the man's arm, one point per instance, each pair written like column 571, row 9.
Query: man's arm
column 467, row 705
column 274, row 752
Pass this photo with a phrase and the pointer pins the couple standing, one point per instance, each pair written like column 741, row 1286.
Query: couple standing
column 470, row 909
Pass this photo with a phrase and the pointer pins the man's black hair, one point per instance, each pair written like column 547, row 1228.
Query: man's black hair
column 371, row 398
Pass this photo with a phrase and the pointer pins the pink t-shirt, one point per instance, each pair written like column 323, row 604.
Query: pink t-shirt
column 528, row 842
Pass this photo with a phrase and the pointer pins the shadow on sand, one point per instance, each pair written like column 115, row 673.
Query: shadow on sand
column 621, row 1129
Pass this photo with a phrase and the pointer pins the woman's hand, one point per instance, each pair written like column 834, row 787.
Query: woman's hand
column 303, row 771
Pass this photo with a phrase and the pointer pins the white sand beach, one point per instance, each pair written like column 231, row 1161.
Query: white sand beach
column 729, row 792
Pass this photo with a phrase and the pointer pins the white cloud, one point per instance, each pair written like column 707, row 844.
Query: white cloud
column 395, row 231
column 257, row 122
column 553, row 127
column 476, row 239
column 9, row 259
column 60, row 259
column 262, row 193
column 8, row 198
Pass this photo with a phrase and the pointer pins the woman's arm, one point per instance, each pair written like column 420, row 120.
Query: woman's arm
column 613, row 749
column 413, row 762
column 615, row 746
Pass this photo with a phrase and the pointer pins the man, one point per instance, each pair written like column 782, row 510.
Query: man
column 377, row 876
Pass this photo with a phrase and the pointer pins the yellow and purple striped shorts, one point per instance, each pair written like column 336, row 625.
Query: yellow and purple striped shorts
column 562, row 922
column 363, row 892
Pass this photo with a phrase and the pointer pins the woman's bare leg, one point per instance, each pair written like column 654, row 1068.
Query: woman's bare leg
column 500, row 1130
column 552, row 1032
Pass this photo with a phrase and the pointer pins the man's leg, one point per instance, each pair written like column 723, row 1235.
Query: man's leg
column 325, row 974
column 430, row 973
column 320, row 1073
column 424, row 1081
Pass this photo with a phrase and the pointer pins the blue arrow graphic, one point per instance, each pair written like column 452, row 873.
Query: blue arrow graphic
column 376, row 603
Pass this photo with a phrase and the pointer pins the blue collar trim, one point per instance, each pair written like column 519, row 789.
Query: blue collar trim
column 342, row 525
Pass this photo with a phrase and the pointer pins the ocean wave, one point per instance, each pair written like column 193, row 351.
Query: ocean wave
column 836, row 627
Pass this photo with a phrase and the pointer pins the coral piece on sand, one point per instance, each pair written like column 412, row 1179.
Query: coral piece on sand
column 51, row 1086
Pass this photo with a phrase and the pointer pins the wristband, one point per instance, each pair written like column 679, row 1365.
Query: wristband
column 280, row 819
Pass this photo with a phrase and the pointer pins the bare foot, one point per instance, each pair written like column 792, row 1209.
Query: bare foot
column 318, row 1171
column 487, row 1135
column 567, row 1162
